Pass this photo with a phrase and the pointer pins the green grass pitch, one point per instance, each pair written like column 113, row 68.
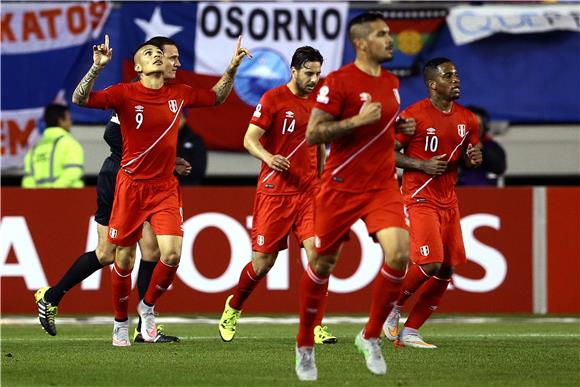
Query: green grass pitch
column 513, row 351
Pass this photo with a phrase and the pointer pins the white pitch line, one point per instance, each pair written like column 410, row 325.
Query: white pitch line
column 103, row 320
column 341, row 338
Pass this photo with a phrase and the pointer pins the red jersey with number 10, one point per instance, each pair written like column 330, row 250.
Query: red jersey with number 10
column 149, row 123
column 284, row 117
column 436, row 134
column 363, row 160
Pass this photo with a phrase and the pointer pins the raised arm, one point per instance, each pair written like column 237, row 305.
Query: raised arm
column 252, row 144
column 324, row 127
column 224, row 85
column 102, row 55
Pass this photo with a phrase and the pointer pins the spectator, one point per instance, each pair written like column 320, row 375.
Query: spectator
column 57, row 160
column 494, row 158
column 190, row 146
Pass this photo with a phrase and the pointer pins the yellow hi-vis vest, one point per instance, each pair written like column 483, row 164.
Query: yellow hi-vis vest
column 56, row 161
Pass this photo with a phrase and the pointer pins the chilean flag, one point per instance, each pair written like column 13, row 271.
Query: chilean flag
column 206, row 35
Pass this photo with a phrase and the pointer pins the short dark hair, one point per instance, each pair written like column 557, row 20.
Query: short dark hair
column 161, row 41
column 363, row 18
column 430, row 67
column 53, row 113
column 147, row 43
column 305, row 54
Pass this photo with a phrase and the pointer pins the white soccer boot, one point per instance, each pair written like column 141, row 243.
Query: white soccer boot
column 306, row 364
column 371, row 349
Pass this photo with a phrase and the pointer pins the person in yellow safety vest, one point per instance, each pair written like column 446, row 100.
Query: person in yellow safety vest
column 57, row 160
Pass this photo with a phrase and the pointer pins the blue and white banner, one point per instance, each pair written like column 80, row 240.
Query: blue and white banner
column 42, row 46
column 468, row 23
column 272, row 32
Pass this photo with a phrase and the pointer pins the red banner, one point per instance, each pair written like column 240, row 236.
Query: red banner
column 563, row 242
column 44, row 231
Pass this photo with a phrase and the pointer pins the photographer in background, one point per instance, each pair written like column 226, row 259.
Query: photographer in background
column 494, row 157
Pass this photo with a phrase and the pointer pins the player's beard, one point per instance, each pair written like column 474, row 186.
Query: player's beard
column 302, row 88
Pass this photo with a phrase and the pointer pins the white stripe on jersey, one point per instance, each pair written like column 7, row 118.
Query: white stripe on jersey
column 431, row 178
column 288, row 157
column 115, row 119
column 355, row 154
column 156, row 141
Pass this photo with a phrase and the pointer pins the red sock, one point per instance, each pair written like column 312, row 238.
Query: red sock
column 121, row 288
column 385, row 289
column 313, row 288
column 414, row 279
column 429, row 300
column 322, row 307
column 248, row 281
column 161, row 279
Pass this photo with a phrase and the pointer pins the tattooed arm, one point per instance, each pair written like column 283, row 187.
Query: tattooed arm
column 81, row 94
column 223, row 87
column 102, row 55
column 323, row 127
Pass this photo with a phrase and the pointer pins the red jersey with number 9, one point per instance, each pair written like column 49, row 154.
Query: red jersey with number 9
column 284, row 117
column 149, row 123
column 436, row 134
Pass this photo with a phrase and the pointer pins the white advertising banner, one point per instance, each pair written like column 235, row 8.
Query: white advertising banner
column 470, row 23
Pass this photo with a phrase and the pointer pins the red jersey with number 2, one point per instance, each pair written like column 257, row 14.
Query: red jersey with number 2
column 284, row 116
column 363, row 160
column 436, row 134
column 149, row 123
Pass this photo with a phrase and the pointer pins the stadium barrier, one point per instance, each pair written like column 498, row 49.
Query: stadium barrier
column 522, row 245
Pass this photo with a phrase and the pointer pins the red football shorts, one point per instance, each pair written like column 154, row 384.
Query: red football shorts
column 336, row 211
column 435, row 235
column 276, row 215
column 155, row 201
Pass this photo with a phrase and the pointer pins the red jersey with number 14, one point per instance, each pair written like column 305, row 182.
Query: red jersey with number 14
column 363, row 160
column 284, row 117
column 436, row 134
column 149, row 123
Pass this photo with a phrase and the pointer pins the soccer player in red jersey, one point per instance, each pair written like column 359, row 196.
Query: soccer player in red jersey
column 287, row 182
column 445, row 133
column 146, row 189
column 356, row 112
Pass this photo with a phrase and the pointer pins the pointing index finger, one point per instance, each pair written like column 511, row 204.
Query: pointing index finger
column 107, row 41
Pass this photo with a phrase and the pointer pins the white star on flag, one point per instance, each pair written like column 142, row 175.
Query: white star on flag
column 156, row 26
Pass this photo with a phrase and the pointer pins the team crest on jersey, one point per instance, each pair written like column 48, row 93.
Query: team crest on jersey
column 322, row 96
column 424, row 250
column 260, row 240
column 172, row 105
column 112, row 232
column 364, row 96
column 461, row 130
column 397, row 97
